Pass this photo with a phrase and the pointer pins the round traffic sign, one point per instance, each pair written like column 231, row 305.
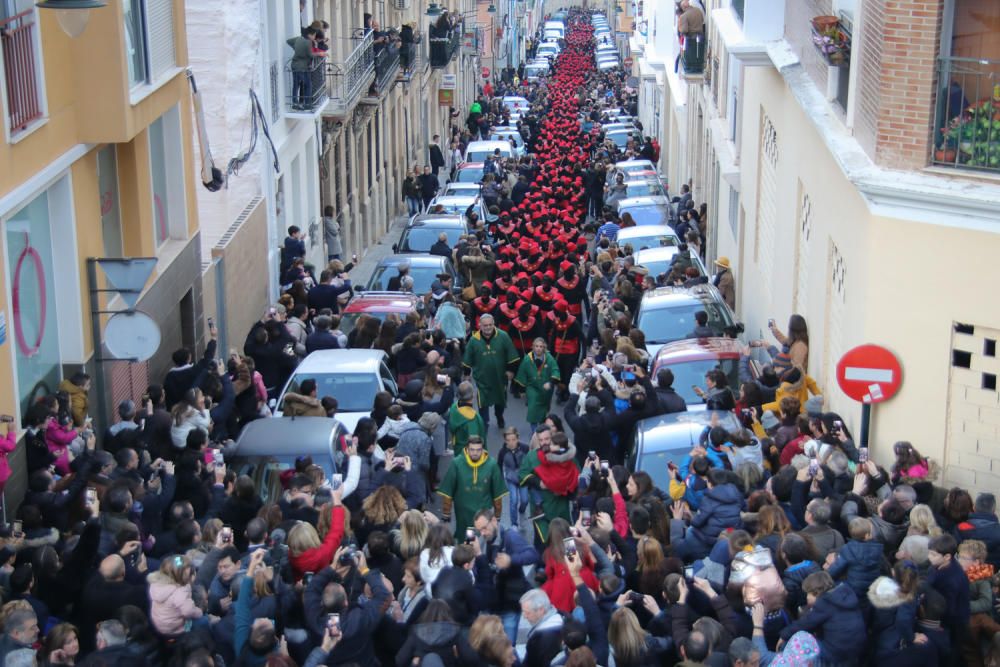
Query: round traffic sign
column 869, row 374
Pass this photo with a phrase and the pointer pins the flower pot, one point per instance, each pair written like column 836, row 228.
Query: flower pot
column 823, row 23
column 945, row 155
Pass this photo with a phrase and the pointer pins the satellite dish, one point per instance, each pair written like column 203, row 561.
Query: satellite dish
column 132, row 335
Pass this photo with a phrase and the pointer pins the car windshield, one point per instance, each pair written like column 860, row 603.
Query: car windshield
column 355, row 392
column 420, row 239
column 620, row 138
column 649, row 241
column 450, row 208
column 644, row 189
column 469, row 175
column 423, row 277
column 690, row 373
column 685, row 431
column 648, row 215
column 480, row 156
column 676, row 321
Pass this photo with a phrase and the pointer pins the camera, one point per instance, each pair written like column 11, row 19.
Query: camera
column 91, row 498
column 307, row 578
column 333, row 622
column 338, row 480
column 217, row 457
column 470, row 535
column 227, row 534
column 635, row 597
column 813, row 467
column 605, row 468
column 347, row 558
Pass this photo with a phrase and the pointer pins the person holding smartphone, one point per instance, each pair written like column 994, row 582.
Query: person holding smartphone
column 8, row 443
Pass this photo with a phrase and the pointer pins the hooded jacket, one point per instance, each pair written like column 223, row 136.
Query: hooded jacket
column 171, row 605
column 439, row 638
column 894, row 616
column 837, row 623
column 719, row 510
column 298, row 405
column 77, row 401
column 983, row 526
column 861, row 561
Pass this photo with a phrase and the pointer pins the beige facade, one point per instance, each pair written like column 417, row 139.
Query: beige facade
column 826, row 207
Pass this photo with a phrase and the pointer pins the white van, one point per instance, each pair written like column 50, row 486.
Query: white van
column 478, row 151
column 556, row 27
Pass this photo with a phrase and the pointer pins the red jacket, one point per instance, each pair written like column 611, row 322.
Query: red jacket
column 559, row 583
column 314, row 560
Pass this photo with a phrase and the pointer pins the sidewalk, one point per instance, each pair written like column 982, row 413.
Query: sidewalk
column 367, row 263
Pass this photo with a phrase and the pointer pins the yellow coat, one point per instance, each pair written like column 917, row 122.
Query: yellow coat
column 799, row 390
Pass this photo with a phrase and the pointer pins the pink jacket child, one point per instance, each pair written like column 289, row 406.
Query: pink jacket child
column 58, row 437
column 8, row 442
column 171, row 608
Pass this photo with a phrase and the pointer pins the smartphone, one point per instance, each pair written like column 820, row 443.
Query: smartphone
column 592, row 455
column 585, row 518
column 17, row 529
column 770, row 323
column 635, row 597
column 211, row 323
column 605, row 468
column 863, row 455
column 470, row 535
column 333, row 622
column 91, row 497
column 689, row 573
column 338, row 480
column 441, row 379
column 569, row 545
column 272, row 311
column 217, row 457
column 813, row 467
column 838, row 425
column 671, row 466
column 227, row 534
column 307, row 578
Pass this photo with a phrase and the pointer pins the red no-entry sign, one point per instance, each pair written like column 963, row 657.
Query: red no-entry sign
column 869, row 374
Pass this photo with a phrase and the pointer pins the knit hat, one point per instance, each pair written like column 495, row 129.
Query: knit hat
column 802, row 650
column 769, row 421
column 429, row 421
column 814, row 406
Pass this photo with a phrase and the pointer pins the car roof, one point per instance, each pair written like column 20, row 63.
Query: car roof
column 456, row 186
column 454, row 199
column 514, row 98
column 414, row 259
column 436, row 220
column 382, row 302
column 643, row 231
column 486, row 145
column 705, row 293
column 271, row 437
column 658, row 254
column 640, row 176
column 694, row 349
column 646, row 200
column 680, row 429
column 344, row 361
column 624, row 164
column 472, row 165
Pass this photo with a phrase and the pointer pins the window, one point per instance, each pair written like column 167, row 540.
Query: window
column 33, row 324
column 166, row 168
column 149, row 40
column 107, row 181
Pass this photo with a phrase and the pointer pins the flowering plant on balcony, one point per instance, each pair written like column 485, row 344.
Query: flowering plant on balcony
column 831, row 40
column 975, row 133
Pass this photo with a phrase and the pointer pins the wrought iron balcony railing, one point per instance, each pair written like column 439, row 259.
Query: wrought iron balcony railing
column 348, row 80
column 967, row 114
column 24, row 96
column 443, row 49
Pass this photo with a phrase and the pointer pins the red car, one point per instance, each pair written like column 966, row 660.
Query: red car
column 691, row 358
column 380, row 305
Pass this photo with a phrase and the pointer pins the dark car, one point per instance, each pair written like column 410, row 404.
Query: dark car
column 669, row 438
column 423, row 268
column 422, row 232
column 667, row 314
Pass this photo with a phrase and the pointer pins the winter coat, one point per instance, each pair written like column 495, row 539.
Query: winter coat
column 297, row 405
column 559, row 584
column 984, row 527
column 509, row 461
column 792, row 579
column 192, row 419
column 952, row 583
column 171, row 606
column 58, row 439
column 837, row 623
column 861, row 562
column 477, row 268
column 416, row 443
column 890, row 535
column 455, row 586
column 317, row 558
column 439, row 638
column 824, row 538
column 331, row 232
column 77, row 401
column 719, row 509
column 7, row 445
column 893, row 617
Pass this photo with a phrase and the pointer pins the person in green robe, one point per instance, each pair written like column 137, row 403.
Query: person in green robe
column 538, row 375
column 464, row 421
column 473, row 482
column 490, row 357
column 552, row 505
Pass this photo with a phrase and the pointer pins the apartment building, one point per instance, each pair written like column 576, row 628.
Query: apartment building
column 94, row 163
column 850, row 165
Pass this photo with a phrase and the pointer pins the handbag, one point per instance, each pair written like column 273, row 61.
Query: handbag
column 469, row 291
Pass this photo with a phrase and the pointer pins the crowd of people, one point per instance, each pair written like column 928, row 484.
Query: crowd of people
column 776, row 543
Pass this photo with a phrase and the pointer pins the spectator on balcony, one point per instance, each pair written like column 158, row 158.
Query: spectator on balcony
column 436, row 156
column 301, row 66
column 691, row 20
column 380, row 37
column 407, row 39
column 439, row 40
column 322, row 44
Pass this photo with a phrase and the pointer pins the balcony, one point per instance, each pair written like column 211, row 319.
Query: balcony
column 386, row 65
column 307, row 90
column 693, row 55
column 967, row 115
column 24, row 96
column 739, row 8
column 347, row 81
column 443, row 49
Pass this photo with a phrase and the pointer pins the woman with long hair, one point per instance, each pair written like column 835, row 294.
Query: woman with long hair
column 922, row 522
column 436, row 632
column 436, row 554
column 650, row 569
column 772, row 526
column 61, row 646
column 794, row 346
column 491, row 644
column 631, row 646
column 380, row 511
column 188, row 414
column 307, row 553
column 639, row 486
column 410, row 537
column 380, row 407
column 559, row 582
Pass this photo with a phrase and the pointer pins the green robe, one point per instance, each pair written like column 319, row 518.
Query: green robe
column 471, row 487
column 552, row 505
column 533, row 379
column 488, row 362
column 464, row 421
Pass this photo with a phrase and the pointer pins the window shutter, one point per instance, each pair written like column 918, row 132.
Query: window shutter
column 160, row 28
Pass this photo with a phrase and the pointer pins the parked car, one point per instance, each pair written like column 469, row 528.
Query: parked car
column 669, row 438
column 469, row 172
column 422, row 231
column 621, row 137
column 424, row 268
column 478, row 151
column 666, row 314
column 378, row 304
column 510, row 135
column 455, row 188
column 644, row 184
column 515, row 102
column 353, row 377
column 262, row 450
column 691, row 358
column 535, row 70
column 647, row 210
column 658, row 260
column 647, row 236
column 457, row 205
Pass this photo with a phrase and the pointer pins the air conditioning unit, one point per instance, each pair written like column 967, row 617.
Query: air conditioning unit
column 401, row 5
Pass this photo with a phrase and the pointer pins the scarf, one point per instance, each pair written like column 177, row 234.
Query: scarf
column 979, row 572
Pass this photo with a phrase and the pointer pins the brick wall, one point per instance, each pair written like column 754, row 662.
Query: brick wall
column 972, row 448
column 910, row 35
column 867, row 58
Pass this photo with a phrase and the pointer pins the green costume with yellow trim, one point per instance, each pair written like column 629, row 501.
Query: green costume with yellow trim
column 552, row 505
column 533, row 377
column 489, row 362
column 464, row 421
column 469, row 487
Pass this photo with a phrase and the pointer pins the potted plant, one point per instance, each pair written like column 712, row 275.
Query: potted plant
column 831, row 40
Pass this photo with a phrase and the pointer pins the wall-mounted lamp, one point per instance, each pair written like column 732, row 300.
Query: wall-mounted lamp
column 72, row 15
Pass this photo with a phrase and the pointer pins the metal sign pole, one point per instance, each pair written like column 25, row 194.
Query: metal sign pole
column 866, row 418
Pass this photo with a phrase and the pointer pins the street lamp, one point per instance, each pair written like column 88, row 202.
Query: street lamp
column 492, row 9
column 72, row 15
column 433, row 9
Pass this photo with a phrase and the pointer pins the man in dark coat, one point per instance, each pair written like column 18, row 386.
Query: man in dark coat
column 436, row 156
column 591, row 427
column 669, row 400
column 982, row 525
column 185, row 374
column 429, row 185
column 106, row 593
column 322, row 338
column 545, row 623
column 455, row 585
